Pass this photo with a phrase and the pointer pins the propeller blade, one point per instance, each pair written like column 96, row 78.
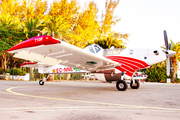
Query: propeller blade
column 168, row 67
column 169, row 53
column 166, row 40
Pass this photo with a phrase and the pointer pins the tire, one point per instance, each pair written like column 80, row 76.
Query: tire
column 41, row 82
column 136, row 86
column 121, row 85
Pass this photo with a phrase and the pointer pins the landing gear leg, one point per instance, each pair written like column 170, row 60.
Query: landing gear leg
column 41, row 82
column 121, row 85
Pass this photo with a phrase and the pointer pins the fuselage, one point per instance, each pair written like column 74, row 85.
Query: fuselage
column 131, row 60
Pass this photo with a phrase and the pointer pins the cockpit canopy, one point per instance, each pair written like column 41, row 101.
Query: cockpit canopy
column 94, row 49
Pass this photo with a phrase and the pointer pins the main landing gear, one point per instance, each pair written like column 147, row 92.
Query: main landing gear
column 121, row 85
column 135, row 85
column 41, row 82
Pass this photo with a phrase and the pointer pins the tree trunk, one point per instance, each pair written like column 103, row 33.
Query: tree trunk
column 173, row 75
column 32, row 73
column 4, row 60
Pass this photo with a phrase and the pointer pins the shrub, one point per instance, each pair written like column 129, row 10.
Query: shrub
column 1, row 71
column 62, row 77
column 18, row 71
column 56, row 77
column 6, row 71
column 177, row 80
column 156, row 73
column 22, row 73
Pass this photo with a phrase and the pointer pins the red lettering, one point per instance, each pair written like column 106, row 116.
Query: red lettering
column 57, row 70
column 60, row 70
column 65, row 70
column 70, row 69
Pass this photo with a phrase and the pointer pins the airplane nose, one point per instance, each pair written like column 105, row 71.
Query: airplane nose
column 169, row 53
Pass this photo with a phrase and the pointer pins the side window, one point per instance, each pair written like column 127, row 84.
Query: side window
column 156, row 52
column 97, row 49
column 91, row 50
column 131, row 52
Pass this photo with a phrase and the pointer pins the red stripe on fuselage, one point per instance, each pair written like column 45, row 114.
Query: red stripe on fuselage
column 128, row 64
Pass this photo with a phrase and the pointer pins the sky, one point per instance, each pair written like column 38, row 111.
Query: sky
column 145, row 20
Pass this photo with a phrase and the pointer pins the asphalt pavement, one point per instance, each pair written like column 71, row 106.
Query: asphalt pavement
column 87, row 100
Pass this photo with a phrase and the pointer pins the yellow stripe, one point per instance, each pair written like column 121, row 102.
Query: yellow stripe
column 101, row 103
column 75, row 107
column 5, row 93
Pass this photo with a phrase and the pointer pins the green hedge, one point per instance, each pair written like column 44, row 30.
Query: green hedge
column 18, row 71
column 1, row 71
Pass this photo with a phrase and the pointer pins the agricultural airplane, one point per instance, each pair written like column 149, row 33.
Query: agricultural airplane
column 106, row 64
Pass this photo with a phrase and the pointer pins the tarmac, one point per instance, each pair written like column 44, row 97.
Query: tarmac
column 87, row 100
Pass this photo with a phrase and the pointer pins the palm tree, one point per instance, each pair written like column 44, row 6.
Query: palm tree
column 111, row 40
column 32, row 27
column 175, row 58
column 57, row 27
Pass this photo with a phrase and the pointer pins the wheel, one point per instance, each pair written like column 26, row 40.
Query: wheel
column 41, row 82
column 136, row 85
column 121, row 85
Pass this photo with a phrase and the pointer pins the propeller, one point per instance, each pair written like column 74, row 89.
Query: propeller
column 168, row 52
column 166, row 40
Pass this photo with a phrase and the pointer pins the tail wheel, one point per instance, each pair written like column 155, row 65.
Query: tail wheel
column 121, row 85
column 135, row 85
column 41, row 82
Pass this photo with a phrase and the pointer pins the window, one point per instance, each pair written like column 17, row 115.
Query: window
column 156, row 52
column 97, row 49
column 91, row 50
column 131, row 52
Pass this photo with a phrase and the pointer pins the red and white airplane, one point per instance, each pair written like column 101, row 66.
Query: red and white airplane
column 106, row 64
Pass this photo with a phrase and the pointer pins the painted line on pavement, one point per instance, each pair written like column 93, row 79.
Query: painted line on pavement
column 70, row 107
column 89, row 102
column 6, row 93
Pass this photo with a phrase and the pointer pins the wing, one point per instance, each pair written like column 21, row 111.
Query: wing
column 34, row 65
column 42, row 68
column 51, row 51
